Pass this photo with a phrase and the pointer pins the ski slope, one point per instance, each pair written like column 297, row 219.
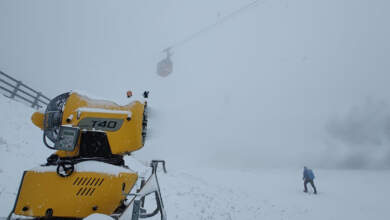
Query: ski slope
column 214, row 194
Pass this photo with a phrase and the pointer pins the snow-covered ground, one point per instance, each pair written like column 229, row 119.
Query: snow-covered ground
column 213, row 193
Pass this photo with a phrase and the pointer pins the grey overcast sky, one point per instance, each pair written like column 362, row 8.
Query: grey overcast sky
column 287, row 83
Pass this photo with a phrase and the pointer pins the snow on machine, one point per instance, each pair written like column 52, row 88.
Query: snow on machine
column 87, row 174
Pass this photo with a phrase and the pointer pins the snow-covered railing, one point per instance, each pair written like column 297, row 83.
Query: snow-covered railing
column 15, row 89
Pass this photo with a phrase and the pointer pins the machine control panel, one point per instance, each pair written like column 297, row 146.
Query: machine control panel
column 67, row 138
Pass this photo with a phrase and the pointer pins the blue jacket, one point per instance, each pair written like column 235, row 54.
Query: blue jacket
column 308, row 174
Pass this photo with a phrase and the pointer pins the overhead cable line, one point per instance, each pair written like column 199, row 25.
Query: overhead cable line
column 165, row 66
column 211, row 26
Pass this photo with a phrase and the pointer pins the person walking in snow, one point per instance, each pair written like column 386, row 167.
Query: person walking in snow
column 308, row 177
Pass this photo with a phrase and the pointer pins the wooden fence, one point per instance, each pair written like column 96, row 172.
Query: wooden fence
column 15, row 89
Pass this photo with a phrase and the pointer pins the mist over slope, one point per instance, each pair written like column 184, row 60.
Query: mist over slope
column 217, row 194
column 257, row 91
column 360, row 138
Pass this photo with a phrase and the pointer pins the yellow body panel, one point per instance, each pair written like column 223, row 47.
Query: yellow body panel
column 127, row 139
column 78, row 195
column 37, row 119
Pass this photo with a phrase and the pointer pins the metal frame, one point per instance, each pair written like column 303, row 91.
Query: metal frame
column 17, row 89
column 135, row 210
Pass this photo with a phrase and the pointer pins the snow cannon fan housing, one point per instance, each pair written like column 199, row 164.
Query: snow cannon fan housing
column 78, row 126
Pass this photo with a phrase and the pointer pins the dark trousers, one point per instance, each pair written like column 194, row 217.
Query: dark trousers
column 312, row 185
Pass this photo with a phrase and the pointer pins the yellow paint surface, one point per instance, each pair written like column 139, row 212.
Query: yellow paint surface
column 73, row 196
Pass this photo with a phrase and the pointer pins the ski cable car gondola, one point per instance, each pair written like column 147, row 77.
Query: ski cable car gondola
column 165, row 66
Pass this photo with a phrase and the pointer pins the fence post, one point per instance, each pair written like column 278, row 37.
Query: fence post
column 16, row 89
column 35, row 103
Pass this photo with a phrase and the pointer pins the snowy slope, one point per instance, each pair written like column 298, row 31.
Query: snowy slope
column 21, row 147
column 210, row 193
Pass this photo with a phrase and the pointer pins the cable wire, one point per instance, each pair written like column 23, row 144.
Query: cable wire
column 209, row 27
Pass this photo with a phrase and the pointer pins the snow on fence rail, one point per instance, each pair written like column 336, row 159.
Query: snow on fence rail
column 15, row 89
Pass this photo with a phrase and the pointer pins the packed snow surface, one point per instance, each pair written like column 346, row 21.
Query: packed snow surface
column 93, row 100
column 100, row 110
column 98, row 217
column 89, row 166
column 210, row 193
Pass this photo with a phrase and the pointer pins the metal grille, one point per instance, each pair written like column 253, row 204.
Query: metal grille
column 88, row 185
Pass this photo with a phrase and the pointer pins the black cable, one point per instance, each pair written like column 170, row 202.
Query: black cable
column 45, row 142
column 209, row 27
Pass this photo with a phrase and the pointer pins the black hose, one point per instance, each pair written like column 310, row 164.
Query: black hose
column 45, row 142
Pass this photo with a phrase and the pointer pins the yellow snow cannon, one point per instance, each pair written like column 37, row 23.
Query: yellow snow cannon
column 87, row 173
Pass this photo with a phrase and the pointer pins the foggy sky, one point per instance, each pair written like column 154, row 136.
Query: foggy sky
column 269, row 88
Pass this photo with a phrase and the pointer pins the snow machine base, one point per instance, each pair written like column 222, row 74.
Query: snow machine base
column 49, row 195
